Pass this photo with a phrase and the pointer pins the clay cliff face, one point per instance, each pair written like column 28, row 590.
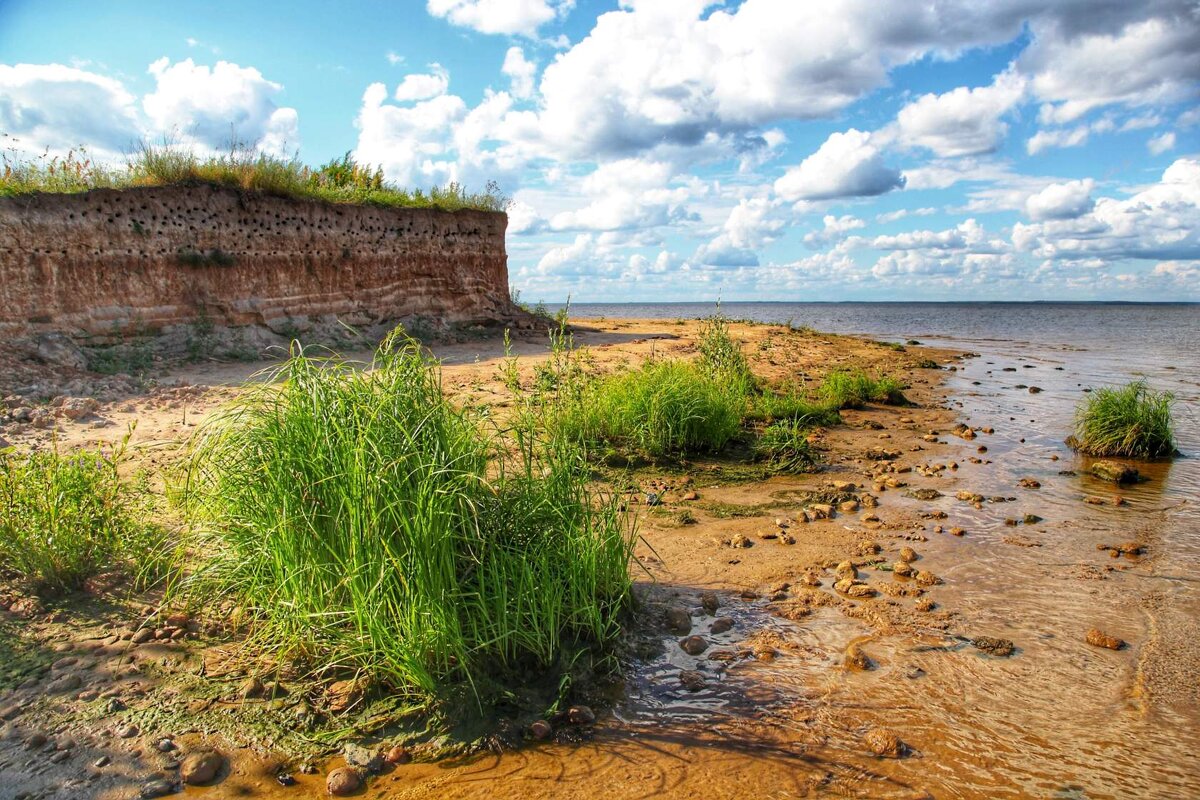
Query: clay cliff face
column 107, row 264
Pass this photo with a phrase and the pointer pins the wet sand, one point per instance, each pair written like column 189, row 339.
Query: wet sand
column 791, row 691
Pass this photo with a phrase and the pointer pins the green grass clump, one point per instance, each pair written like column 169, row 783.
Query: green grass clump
column 1132, row 421
column 67, row 517
column 785, row 447
column 340, row 181
column 770, row 406
column 365, row 522
column 721, row 357
column 664, row 408
column 854, row 389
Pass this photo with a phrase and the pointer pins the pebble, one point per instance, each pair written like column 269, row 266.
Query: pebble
column 902, row 569
column 678, row 619
column 343, row 781
column 907, row 554
column 721, row 625
column 127, row 731
column 691, row 680
column 924, row 578
column 1098, row 638
column 857, row 659
column 710, row 602
column 157, row 789
column 694, row 645
column 399, row 754
column 540, row 730
column 994, row 646
column 201, row 767
column 581, row 715
column 884, row 743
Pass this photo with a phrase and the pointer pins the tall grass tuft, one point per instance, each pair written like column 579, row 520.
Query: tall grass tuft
column 784, row 445
column 365, row 522
column 67, row 517
column 1132, row 421
column 773, row 406
column 664, row 408
column 854, row 389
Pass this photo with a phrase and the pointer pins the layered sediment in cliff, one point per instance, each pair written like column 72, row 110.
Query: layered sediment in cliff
column 108, row 265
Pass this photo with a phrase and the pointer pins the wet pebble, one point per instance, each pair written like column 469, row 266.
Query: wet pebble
column 884, row 743
column 1097, row 638
column 541, row 730
column 694, row 645
column 994, row 646
column 691, row 680
column 721, row 625
column 907, row 554
column 158, row 788
column 201, row 767
column 678, row 619
column 710, row 602
column 581, row 715
column 343, row 781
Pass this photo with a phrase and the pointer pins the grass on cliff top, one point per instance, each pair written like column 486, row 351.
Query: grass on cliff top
column 1131, row 421
column 366, row 523
column 340, row 181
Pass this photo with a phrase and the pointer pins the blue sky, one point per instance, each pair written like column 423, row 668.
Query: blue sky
column 683, row 149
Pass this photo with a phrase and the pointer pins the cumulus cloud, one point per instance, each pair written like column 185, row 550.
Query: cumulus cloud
column 846, row 165
column 520, row 72
column 750, row 226
column 411, row 142
column 968, row 236
column 963, row 121
column 208, row 107
column 1143, row 62
column 624, row 195
column 1161, row 222
column 59, row 107
column 835, row 229
column 1061, row 201
column 509, row 17
column 422, row 86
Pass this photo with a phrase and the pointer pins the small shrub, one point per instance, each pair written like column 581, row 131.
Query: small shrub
column 1132, row 421
column 785, row 447
column 854, row 389
column 66, row 517
column 721, row 356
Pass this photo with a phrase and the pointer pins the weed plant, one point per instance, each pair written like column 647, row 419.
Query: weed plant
column 771, row 406
column 785, row 447
column 65, row 517
column 340, row 181
column 367, row 524
column 854, row 389
column 1131, row 421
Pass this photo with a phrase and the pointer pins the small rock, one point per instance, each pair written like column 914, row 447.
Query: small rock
column 541, row 730
column 1098, row 638
column 993, row 646
column 101, row 762
column 343, row 781
column 399, row 754
column 1114, row 471
column 581, row 715
column 64, row 684
column 903, row 569
column 691, row 680
column 678, row 619
column 857, row 659
column 710, row 602
column 157, row 789
column 201, row 767
column 1029, row 483
column 958, row 532
column 721, row 625
column 884, row 743
column 127, row 731
column 925, row 604
column 908, row 555
column 367, row 758
column 924, row 578
column 846, row 569
column 694, row 645
column 740, row 540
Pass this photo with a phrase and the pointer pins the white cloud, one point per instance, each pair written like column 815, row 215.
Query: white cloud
column 422, row 86
column 963, row 121
column 750, row 226
column 846, row 165
column 1161, row 144
column 394, row 58
column 411, row 143
column 58, row 107
column 1062, row 137
column 1061, row 200
column 509, row 17
column 624, row 195
column 968, row 236
column 901, row 213
column 207, row 107
column 1161, row 222
column 835, row 229
column 1144, row 62
column 520, row 72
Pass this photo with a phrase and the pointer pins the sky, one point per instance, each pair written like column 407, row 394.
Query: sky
column 669, row 150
